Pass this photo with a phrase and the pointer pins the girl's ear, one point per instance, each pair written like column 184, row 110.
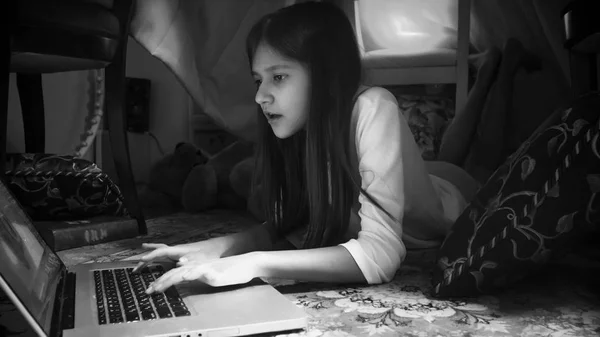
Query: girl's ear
column 179, row 144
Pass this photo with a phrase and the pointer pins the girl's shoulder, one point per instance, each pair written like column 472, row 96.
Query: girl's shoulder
column 373, row 101
column 367, row 94
column 374, row 108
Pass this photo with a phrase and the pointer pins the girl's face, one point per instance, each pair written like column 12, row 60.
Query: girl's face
column 283, row 91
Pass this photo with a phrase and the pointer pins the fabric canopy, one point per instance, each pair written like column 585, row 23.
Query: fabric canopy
column 203, row 43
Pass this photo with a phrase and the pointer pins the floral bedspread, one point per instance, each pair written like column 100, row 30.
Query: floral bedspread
column 562, row 301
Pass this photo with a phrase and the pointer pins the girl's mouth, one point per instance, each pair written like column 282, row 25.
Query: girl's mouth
column 272, row 117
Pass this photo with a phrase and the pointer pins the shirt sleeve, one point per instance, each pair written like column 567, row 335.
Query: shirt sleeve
column 384, row 146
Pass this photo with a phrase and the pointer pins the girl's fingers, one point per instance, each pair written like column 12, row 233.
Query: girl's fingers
column 200, row 274
column 165, row 278
column 157, row 252
column 187, row 258
column 139, row 266
column 145, row 260
column 170, row 278
column 154, row 254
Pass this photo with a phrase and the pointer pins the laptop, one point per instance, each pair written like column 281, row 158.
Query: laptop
column 107, row 299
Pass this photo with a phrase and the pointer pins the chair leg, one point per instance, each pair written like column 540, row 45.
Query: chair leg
column 4, row 83
column 462, row 54
column 31, row 96
column 583, row 73
column 115, row 117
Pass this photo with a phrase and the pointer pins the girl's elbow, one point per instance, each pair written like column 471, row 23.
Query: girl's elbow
column 390, row 272
column 384, row 259
column 386, row 270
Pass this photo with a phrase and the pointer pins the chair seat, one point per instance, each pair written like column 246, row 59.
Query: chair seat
column 54, row 36
column 395, row 58
column 86, row 17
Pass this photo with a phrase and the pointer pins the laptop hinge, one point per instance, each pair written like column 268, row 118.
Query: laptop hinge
column 68, row 307
column 63, row 315
column 55, row 326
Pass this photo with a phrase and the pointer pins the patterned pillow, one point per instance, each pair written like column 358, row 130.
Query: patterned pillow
column 52, row 187
column 536, row 206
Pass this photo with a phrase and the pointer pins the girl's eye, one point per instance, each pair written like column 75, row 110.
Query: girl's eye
column 279, row 78
column 257, row 83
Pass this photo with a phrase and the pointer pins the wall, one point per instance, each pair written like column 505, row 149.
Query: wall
column 66, row 98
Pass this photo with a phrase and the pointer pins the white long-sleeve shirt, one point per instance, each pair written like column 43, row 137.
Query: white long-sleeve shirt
column 393, row 172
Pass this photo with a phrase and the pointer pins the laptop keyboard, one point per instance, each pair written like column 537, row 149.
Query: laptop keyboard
column 121, row 296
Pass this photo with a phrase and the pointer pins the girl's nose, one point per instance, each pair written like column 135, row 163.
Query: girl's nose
column 263, row 97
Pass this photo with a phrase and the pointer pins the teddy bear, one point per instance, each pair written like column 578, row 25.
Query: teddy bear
column 246, row 184
column 193, row 181
column 221, row 182
column 167, row 176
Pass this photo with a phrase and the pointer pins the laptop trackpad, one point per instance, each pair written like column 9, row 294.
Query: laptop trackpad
column 251, row 303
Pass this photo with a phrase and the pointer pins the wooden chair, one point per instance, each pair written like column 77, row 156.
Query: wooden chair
column 437, row 66
column 47, row 36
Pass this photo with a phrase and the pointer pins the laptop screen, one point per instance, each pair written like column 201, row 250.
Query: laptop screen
column 27, row 264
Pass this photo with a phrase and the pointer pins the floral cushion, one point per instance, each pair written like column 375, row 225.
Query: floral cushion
column 537, row 205
column 52, row 187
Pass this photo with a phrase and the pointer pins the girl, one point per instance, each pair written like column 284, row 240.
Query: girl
column 346, row 187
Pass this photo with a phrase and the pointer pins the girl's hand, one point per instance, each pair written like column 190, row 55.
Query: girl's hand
column 198, row 256
column 226, row 271
column 161, row 253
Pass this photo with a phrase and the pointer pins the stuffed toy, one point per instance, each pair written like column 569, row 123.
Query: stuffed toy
column 210, row 185
column 245, row 184
column 191, row 181
column 167, row 177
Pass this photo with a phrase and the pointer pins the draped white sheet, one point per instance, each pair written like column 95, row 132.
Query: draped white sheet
column 202, row 42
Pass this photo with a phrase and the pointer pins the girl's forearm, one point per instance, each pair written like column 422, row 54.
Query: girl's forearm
column 253, row 239
column 330, row 264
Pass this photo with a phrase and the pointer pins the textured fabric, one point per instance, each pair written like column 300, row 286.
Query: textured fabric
column 427, row 118
column 52, row 187
column 539, row 204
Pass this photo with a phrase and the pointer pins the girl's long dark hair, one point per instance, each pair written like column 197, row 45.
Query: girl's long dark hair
column 295, row 172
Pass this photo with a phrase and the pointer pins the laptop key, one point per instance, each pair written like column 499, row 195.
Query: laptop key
column 181, row 312
column 132, row 317
column 171, row 293
column 148, row 315
column 164, row 312
column 121, row 296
